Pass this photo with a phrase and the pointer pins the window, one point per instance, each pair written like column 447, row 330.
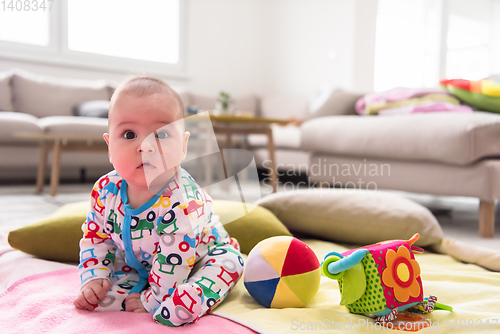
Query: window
column 419, row 42
column 468, row 39
column 407, row 44
column 146, row 30
column 120, row 35
column 24, row 26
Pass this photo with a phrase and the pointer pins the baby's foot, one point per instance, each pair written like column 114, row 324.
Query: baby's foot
column 182, row 307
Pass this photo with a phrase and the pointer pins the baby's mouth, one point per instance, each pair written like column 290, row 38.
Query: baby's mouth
column 146, row 164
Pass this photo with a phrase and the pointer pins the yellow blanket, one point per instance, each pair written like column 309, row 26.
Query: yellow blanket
column 473, row 292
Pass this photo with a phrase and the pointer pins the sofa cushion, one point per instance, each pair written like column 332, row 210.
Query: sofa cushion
column 353, row 216
column 91, row 126
column 478, row 180
column 283, row 137
column 5, row 92
column 338, row 102
column 99, row 108
column 44, row 96
column 14, row 122
column 452, row 138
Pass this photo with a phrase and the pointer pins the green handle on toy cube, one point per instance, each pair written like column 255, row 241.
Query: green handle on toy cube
column 439, row 306
column 325, row 267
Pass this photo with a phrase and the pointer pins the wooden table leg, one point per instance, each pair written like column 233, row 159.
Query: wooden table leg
column 228, row 146
column 208, row 149
column 42, row 163
column 486, row 218
column 244, row 146
column 56, row 160
column 270, row 147
column 225, row 165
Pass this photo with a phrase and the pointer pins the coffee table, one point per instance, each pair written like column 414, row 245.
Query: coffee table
column 59, row 143
column 245, row 125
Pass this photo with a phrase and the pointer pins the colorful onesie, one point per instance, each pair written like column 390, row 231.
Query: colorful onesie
column 172, row 249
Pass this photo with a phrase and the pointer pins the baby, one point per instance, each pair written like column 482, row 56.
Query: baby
column 151, row 242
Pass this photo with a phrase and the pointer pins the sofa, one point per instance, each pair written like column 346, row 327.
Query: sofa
column 36, row 104
column 441, row 153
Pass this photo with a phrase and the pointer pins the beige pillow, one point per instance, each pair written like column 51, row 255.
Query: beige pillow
column 43, row 96
column 339, row 102
column 5, row 92
column 353, row 216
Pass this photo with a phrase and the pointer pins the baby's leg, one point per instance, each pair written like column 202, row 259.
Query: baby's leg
column 120, row 288
column 209, row 283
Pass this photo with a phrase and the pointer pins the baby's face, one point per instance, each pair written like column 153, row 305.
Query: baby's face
column 146, row 140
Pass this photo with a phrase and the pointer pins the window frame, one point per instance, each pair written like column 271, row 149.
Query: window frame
column 57, row 52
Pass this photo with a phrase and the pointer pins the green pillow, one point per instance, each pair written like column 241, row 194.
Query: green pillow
column 57, row 237
column 480, row 101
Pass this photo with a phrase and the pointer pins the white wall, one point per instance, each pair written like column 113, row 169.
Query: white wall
column 310, row 44
column 225, row 45
column 263, row 47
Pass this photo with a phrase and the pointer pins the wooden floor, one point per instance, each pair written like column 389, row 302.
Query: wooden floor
column 457, row 216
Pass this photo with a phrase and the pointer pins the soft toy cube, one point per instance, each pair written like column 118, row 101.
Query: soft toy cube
column 379, row 279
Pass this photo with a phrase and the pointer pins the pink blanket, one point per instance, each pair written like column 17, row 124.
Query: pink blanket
column 43, row 303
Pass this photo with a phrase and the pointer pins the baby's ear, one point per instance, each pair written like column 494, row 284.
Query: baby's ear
column 106, row 138
column 185, row 145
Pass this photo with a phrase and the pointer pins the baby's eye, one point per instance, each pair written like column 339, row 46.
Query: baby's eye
column 129, row 134
column 162, row 135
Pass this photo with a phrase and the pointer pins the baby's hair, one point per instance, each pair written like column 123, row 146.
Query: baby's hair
column 145, row 85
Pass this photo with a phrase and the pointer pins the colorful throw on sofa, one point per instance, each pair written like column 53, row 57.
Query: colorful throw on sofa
column 403, row 101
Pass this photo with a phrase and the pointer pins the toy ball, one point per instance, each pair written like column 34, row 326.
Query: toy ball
column 282, row 272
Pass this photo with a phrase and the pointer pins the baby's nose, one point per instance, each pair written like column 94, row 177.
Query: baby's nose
column 147, row 146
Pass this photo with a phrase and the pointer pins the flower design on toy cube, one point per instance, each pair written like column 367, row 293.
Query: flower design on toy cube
column 402, row 274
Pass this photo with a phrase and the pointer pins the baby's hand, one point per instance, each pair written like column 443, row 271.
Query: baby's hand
column 133, row 303
column 91, row 293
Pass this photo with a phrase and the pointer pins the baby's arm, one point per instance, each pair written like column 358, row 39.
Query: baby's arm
column 97, row 254
column 91, row 293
